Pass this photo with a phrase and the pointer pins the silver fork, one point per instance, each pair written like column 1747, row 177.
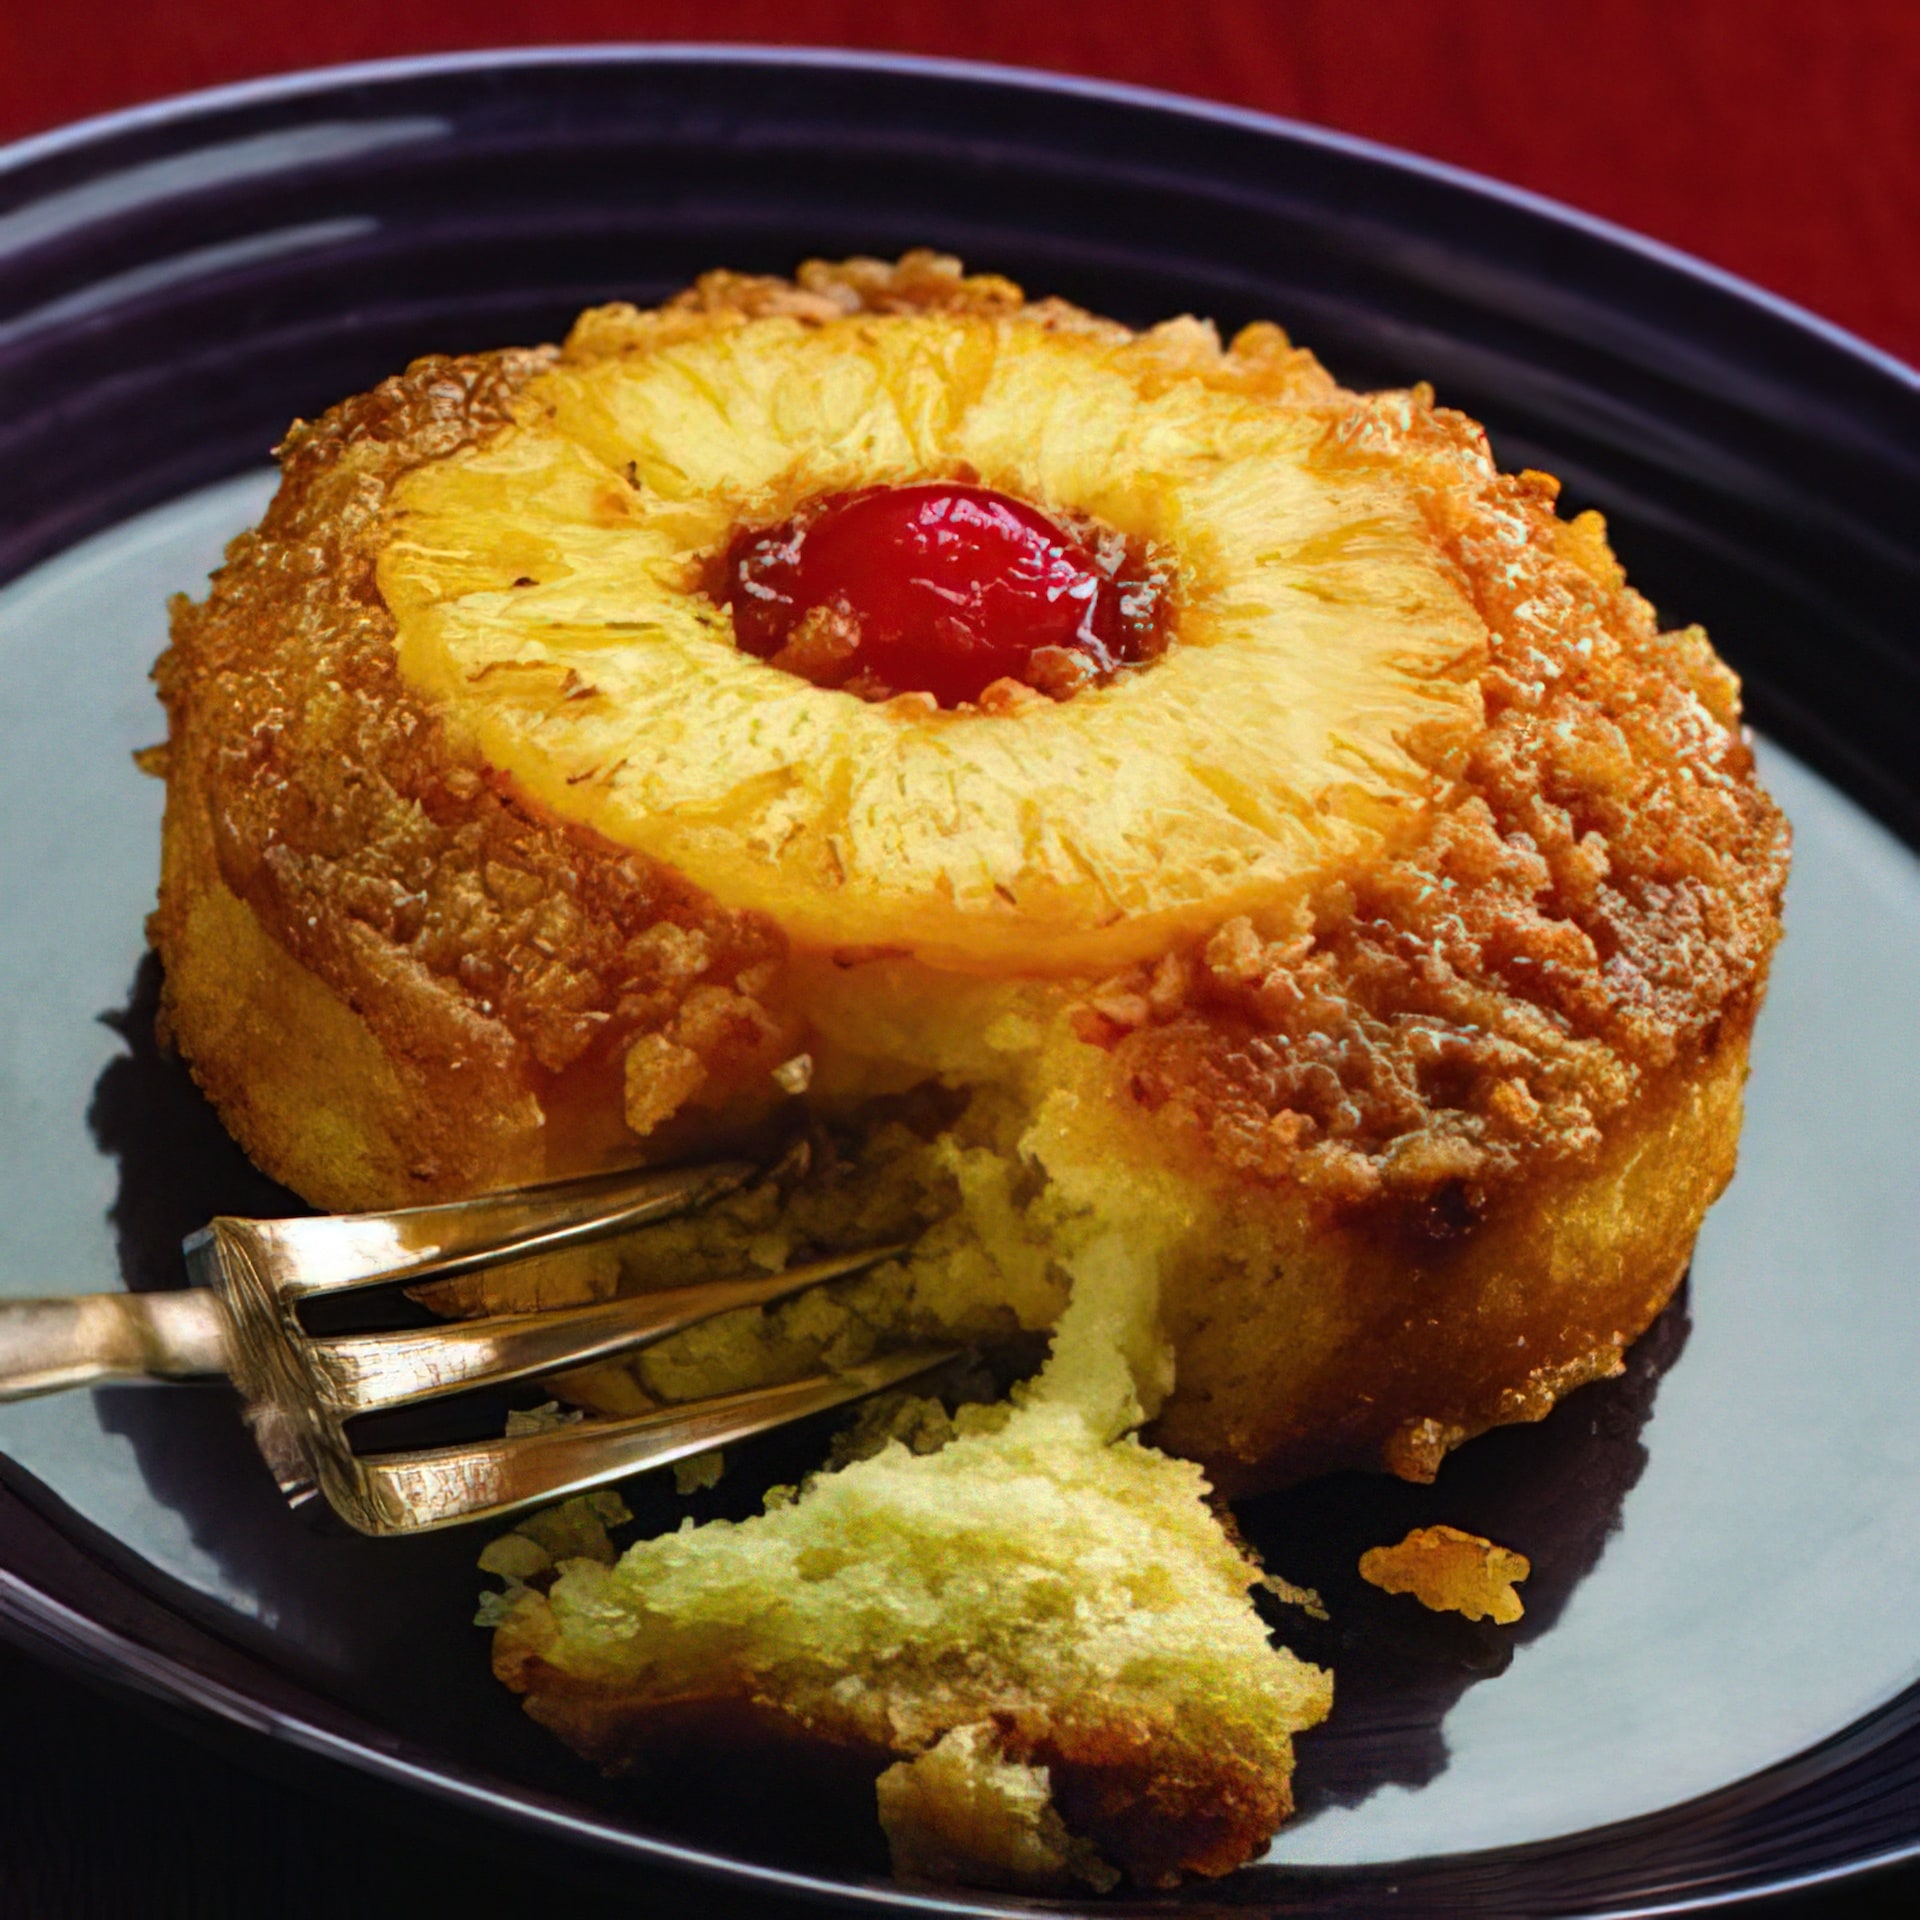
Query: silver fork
column 299, row 1390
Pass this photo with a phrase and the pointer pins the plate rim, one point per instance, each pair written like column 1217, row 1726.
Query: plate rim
column 294, row 83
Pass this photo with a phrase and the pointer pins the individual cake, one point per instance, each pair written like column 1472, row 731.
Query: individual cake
column 1147, row 810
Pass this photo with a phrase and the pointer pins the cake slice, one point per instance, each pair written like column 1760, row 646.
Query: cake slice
column 1039, row 1630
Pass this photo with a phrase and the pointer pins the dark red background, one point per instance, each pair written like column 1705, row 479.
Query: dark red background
column 1778, row 138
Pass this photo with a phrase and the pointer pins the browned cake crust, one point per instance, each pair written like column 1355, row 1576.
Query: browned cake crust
column 1479, row 1109
column 1515, row 1050
column 1154, row 1803
column 499, row 963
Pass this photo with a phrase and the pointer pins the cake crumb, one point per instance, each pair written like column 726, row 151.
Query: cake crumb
column 549, row 1417
column 920, row 1423
column 539, row 1542
column 698, row 1472
column 1307, row 1599
column 1451, row 1572
column 963, row 1811
column 796, row 1075
column 514, row 1557
column 577, row 1529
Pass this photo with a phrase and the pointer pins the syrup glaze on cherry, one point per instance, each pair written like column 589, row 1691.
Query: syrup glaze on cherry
column 943, row 588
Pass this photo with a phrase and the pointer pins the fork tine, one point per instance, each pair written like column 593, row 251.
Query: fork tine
column 359, row 1373
column 329, row 1253
column 412, row 1492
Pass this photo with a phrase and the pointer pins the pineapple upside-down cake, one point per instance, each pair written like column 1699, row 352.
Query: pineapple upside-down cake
column 1220, row 870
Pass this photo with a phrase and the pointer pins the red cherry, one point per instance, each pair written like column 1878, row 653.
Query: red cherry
column 941, row 588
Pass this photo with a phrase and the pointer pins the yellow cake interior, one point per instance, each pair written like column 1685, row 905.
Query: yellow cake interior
column 1039, row 1595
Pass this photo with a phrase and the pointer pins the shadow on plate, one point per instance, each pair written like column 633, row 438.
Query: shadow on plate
column 383, row 1626
column 1553, row 1491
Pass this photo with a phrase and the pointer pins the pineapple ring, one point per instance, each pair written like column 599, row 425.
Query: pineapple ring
column 1323, row 664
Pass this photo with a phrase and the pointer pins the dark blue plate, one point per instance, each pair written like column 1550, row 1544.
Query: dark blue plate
column 178, row 282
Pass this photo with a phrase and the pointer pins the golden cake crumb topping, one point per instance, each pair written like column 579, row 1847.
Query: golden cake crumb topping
column 1597, row 898
column 1451, row 1572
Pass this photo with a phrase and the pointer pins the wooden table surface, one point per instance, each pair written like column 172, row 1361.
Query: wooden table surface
column 1777, row 139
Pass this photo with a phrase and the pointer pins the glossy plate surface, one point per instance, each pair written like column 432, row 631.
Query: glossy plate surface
column 1713, row 1689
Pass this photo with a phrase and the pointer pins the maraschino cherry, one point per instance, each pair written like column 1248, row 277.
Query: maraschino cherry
column 941, row 588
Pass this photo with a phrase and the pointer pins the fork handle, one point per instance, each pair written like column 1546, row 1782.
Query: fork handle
column 77, row 1340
